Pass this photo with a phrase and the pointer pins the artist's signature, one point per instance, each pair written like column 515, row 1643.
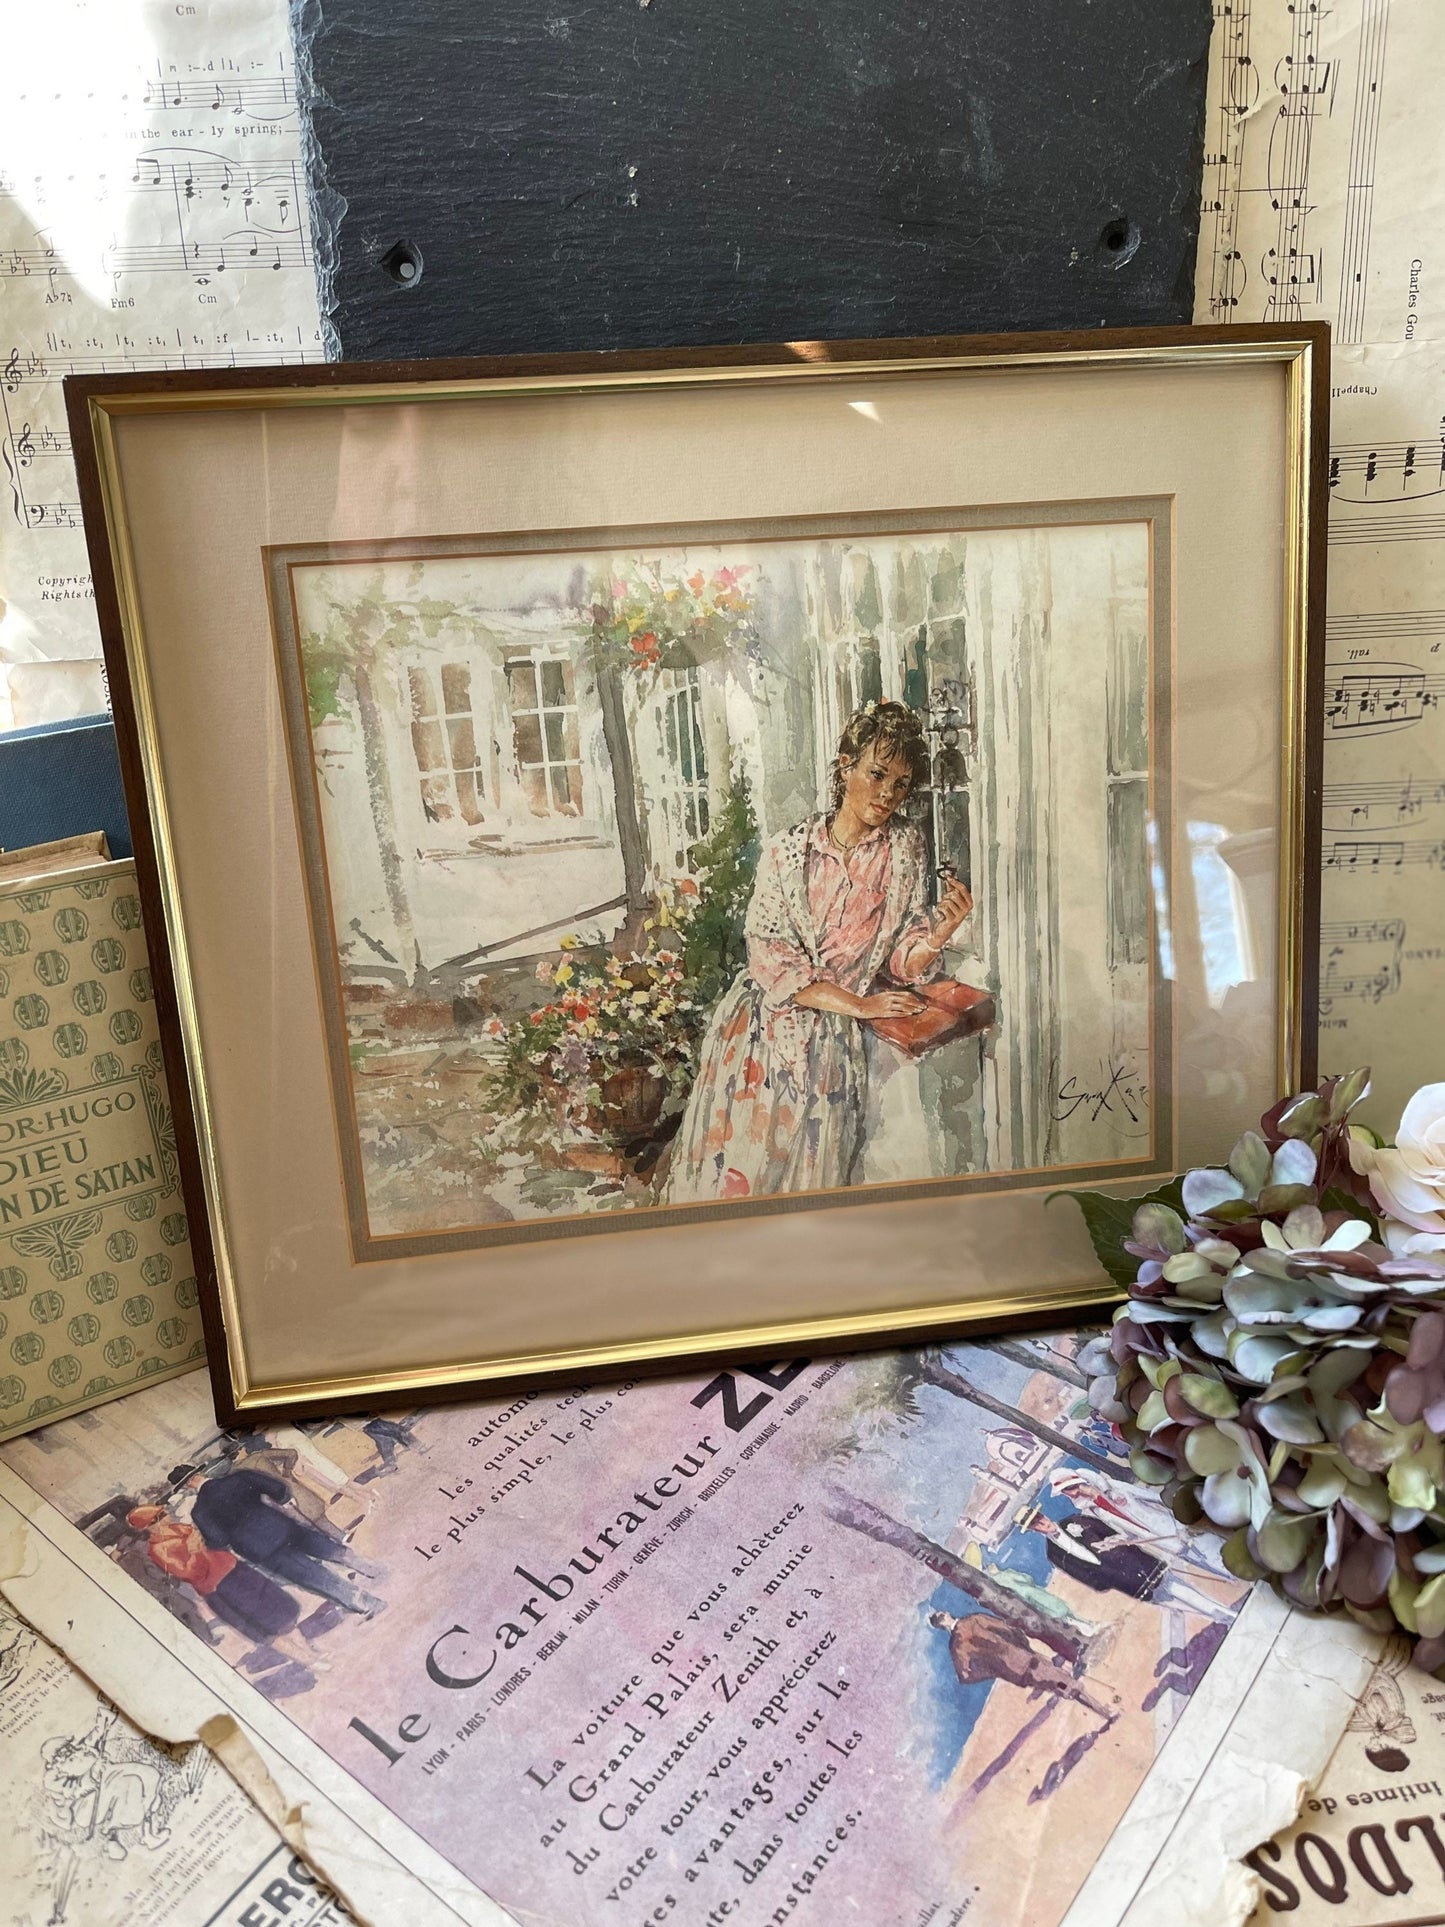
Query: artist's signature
column 1123, row 1094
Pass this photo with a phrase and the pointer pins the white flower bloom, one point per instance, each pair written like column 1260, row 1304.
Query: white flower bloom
column 1408, row 1180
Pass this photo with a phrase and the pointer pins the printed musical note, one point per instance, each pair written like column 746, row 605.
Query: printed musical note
column 1369, row 805
column 1361, row 959
column 199, row 256
column 1384, row 696
column 265, row 98
column 1356, row 854
column 1383, row 471
column 1324, row 182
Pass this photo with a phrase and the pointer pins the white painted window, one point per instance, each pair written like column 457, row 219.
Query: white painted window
column 676, row 787
column 444, row 742
column 543, row 698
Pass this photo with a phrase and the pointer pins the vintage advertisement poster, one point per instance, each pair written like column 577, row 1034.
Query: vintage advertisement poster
column 744, row 1647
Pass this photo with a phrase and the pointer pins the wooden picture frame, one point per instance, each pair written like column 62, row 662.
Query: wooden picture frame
column 485, row 728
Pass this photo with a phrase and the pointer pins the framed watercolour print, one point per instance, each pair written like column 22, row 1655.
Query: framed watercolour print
column 681, row 855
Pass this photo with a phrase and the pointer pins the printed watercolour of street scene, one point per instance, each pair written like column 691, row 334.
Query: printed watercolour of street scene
column 636, row 874
column 917, row 1605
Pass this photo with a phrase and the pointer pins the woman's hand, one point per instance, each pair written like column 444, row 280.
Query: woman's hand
column 952, row 907
column 889, row 1003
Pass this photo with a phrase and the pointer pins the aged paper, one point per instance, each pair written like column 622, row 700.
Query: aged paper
column 749, row 1647
column 103, row 1828
column 1324, row 199
column 1369, row 1845
column 153, row 214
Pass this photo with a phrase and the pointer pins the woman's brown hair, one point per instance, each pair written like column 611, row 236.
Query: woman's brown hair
column 892, row 731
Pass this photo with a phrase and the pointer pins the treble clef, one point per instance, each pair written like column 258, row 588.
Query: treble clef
column 11, row 373
column 25, row 447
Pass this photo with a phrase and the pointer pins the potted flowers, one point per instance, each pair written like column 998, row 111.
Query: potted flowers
column 613, row 1043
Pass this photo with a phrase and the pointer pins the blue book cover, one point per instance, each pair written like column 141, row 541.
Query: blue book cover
column 62, row 779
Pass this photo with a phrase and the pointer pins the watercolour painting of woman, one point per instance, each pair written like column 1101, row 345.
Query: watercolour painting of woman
column 837, row 928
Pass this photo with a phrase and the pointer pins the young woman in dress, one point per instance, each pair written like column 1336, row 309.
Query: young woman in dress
column 837, row 927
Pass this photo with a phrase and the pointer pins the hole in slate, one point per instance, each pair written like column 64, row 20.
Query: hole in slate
column 1119, row 240
column 402, row 263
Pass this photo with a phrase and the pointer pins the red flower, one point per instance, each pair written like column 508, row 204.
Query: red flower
column 735, row 1185
column 697, row 582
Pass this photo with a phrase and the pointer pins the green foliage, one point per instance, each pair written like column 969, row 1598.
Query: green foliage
column 1111, row 1220
column 1336, row 1199
column 324, row 670
column 725, row 863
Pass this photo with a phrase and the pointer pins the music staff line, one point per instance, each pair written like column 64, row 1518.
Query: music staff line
column 1360, row 179
column 1305, row 86
column 1366, row 805
column 274, row 187
column 1369, row 854
column 1361, row 959
column 23, row 444
column 1347, row 530
column 1385, row 625
column 1369, row 472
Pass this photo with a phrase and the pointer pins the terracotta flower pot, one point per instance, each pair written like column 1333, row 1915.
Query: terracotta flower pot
column 632, row 1101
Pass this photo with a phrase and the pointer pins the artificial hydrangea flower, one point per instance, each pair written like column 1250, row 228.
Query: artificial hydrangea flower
column 1279, row 1368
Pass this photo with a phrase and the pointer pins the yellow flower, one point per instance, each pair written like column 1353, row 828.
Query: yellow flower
column 570, row 942
column 562, row 974
column 641, row 996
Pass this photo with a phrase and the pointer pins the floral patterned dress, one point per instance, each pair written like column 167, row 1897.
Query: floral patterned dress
column 778, row 1100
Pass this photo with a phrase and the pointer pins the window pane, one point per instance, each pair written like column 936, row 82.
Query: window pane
column 554, row 737
column 436, row 799
column 426, row 742
column 566, row 789
column 534, row 788
column 570, row 749
column 556, row 684
column 467, row 798
column 456, row 688
column 423, row 698
column 522, row 685
column 462, row 742
column 684, row 719
column 699, row 754
column 527, row 734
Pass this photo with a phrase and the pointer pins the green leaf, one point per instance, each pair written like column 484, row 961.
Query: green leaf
column 1208, row 1395
column 1237, row 1558
column 1109, row 1221
column 1337, row 1199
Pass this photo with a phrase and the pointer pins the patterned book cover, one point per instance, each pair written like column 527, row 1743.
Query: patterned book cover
column 97, row 1290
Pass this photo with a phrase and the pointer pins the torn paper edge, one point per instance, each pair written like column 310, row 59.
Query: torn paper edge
column 176, row 1691
column 1233, row 1772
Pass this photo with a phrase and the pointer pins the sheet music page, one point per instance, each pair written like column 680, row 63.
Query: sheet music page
column 153, row 214
column 1324, row 199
